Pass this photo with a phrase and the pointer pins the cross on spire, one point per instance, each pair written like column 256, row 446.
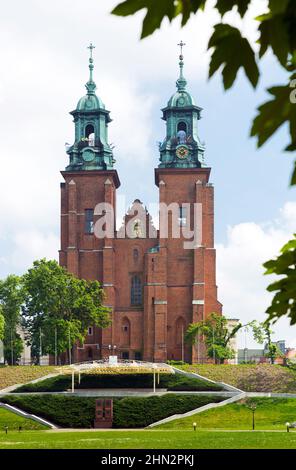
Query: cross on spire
column 91, row 47
column 181, row 44
column 91, row 86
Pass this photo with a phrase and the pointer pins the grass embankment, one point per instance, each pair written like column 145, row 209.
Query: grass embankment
column 271, row 414
column 171, row 382
column 14, row 421
column 148, row 439
column 247, row 377
column 11, row 375
column 129, row 412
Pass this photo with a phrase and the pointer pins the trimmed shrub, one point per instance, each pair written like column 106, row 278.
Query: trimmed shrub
column 140, row 412
column 172, row 382
column 129, row 412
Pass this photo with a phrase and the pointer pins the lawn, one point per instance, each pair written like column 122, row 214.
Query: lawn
column 11, row 375
column 14, row 421
column 271, row 414
column 148, row 439
column 248, row 377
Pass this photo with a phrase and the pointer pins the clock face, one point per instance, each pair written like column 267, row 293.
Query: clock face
column 182, row 152
column 88, row 155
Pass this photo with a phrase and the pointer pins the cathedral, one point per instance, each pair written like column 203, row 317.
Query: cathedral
column 155, row 284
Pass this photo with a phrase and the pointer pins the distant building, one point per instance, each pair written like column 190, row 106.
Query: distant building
column 251, row 355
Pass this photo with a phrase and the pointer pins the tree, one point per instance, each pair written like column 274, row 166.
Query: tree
column 262, row 334
column 232, row 52
column 58, row 308
column 217, row 336
column 284, row 300
column 11, row 300
column 2, row 324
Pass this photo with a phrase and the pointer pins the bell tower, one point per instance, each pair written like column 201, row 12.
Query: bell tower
column 186, row 289
column 181, row 147
column 89, row 179
column 91, row 150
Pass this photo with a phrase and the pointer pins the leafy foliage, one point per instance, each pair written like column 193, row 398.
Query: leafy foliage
column 11, row 300
column 140, row 412
column 284, row 300
column 2, row 324
column 60, row 307
column 79, row 412
column 233, row 50
column 223, row 6
column 217, row 336
column 172, row 382
column 262, row 334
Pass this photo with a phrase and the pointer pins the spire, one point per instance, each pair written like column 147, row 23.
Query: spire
column 181, row 82
column 90, row 85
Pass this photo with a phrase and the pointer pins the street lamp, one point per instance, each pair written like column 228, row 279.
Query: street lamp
column 253, row 407
column 194, row 426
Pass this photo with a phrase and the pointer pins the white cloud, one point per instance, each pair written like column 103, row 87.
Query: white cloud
column 242, row 285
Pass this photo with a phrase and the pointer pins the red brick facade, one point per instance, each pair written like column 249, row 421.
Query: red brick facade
column 178, row 285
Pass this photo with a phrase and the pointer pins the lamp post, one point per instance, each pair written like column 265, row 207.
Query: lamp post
column 252, row 407
column 194, row 426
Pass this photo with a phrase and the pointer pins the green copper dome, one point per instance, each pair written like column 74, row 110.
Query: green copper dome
column 181, row 99
column 91, row 149
column 90, row 102
column 181, row 147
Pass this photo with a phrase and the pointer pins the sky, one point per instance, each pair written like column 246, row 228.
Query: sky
column 44, row 66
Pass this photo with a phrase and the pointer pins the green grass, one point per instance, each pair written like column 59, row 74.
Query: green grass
column 271, row 414
column 148, row 439
column 11, row 375
column 249, row 377
column 13, row 421
column 172, row 382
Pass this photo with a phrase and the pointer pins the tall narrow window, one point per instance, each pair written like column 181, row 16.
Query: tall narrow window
column 89, row 221
column 136, row 291
column 182, row 216
column 182, row 133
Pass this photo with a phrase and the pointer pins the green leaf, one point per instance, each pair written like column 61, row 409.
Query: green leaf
column 233, row 51
column 223, row 6
column 273, row 114
column 284, row 300
column 129, row 7
column 156, row 12
column 293, row 177
column 273, row 33
column 186, row 7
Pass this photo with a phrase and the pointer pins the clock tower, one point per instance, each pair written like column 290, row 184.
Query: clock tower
column 182, row 147
column 91, row 150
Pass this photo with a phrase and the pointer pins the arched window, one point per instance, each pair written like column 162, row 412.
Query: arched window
column 90, row 135
column 136, row 291
column 135, row 254
column 182, row 132
column 89, row 129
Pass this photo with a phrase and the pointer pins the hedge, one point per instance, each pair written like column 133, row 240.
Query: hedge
column 129, row 412
column 172, row 382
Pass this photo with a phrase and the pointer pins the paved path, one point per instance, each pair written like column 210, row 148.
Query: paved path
column 123, row 393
